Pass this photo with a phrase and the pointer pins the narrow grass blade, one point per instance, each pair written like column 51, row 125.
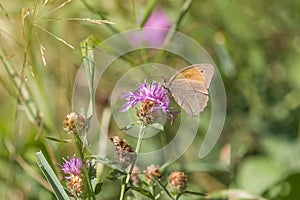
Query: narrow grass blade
column 56, row 37
column 148, row 12
column 184, row 9
column 57, row 8
column 86, row 19
column 87, row 47
column 51, row 177
column 58, row 140
column 99, row 13
column 24, row 94
column 5, row 12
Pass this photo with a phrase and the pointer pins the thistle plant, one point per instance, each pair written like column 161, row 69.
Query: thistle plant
column 39, row 57
column 151, row 102
column 78, row 175
column 154, row 101
column 73, row 171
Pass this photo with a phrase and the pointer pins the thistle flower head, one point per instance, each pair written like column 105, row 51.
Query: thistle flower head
column 134, row 178
column 177, row 182
column 154, row 101
column 73, row 170
column 74, row 122
column 72, row 166
column 152, row 170
column 125, row 152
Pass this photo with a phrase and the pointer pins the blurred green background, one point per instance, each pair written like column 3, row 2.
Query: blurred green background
column 255, row 44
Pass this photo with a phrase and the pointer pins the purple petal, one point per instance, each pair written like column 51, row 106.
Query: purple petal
column 72, row 166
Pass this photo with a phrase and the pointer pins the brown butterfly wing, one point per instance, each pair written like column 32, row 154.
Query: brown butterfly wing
column 207, row 71
column 191, row 100
column 189, row 87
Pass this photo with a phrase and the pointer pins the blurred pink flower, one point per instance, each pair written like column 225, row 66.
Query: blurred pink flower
column 155, row 29
column 159, row 19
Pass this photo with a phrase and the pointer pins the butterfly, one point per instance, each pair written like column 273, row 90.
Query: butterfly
column 189, row 87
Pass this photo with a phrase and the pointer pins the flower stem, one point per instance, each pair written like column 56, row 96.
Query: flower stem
column 85, row 170
column 137, row 150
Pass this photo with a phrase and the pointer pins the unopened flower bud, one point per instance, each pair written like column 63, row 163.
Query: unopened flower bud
column 177, row 182
column 125, row 152
column 74, row 122
column 152, row 170
column 134, row 179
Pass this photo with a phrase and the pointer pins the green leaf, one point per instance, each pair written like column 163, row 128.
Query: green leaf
column 232, row 194
column 115, row 174
column 162, row 186
column 92, row 170
column 102, row 160
column 51, row 177
column 98, row 188
column 191, row 192
column 58, row 140
column 128, row 127
column 24, row 95
column 107, row 162
column 143, row 192
column 158, row 126
column 267, row 173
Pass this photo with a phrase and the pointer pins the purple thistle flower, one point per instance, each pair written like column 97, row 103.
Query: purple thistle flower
column 154, row 97
column 72, row 166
